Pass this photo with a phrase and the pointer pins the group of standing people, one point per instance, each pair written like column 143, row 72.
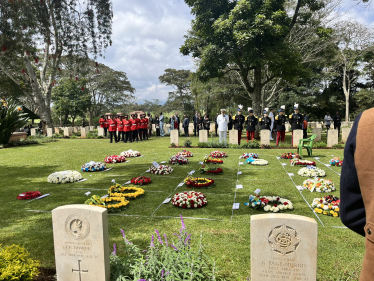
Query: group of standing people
column 121, row 128
column 337, row 119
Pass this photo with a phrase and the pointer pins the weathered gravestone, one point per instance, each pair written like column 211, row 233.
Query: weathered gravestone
column 100, row 131
column 174, row 137
column 283, row 247
column 203, row 136
column 92, row 128
column 297, row 136
column 76, row 129
column 190, row 129
column 68, row 131
column 345, row 133
column 319, row 125
column 57, row 130
column 213, row 127
column 233, row 137
column 318, row 132
column 265, row 137
column 288, row 127
column 33, row 131
column 332, row 138
column 81, row 242
column 49, row 132
column 84, row 132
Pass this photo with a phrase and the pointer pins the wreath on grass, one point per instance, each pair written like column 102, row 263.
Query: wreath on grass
column 189, row 200
column 297, row 162
column 64, row 177
column 291, row 155
column 180, row 160
column 198, row 182
column 329, row 206
column 130, row 153
column 218, row 154
column 257, row 162
column 161, row 170
column 311, row 172
column 130, row 192
column 115, row 159
column 113, row 204
column 141, row 180
column 29, row 195
column 249, row 155
column 336, row 162
column 319, row 185
column 93, row 167
column 211, row 171
column 185, row 154
column 274, row 204
column 213, row 160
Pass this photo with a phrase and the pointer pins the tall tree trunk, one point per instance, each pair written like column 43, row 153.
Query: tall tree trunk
column 90, row 118
column 257, row 89
column 346, row 90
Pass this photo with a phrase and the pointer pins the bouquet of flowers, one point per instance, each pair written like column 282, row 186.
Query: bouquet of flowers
column 130, row 153
column 29, row 195
column 336, row 162
column 93, row 167
column 161, row 170
column 311, row 173
column 130, row 192
column 329, row 206
column 257, row 162
column 115, row 159
column 113, row 204
column 181, row 160
column 64, row 177
column 290, row 155
column 184, row 153
column 141, row 180
column 189, row 200
column 213, row 160
column 198, row 182
column 218, row 154
column 319, row 185
column 272, row 204
column 249, row 155
column 212, row 171
column 302, row 162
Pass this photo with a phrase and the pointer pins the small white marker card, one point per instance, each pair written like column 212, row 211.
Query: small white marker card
column 181, row 184
column 163, row 162
column 241, row 163
column 201, row 163
column 278, row 158
column 299, row 187
column 284, row 164
column 291, row 174
column 235, row 206
column 166, row 201
column 156, row 164
column 328, row 165
column 88, row 193
column 105, row 196
column 317, row 158
column 239, row 186
column 128, row 182
column 147, row 171
column 239, row 173
column 106, row 170
column 82, row 180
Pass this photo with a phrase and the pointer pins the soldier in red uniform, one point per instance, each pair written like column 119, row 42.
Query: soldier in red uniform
column 113, row 129
column 141, row 128
column 104, row 124
column 134, row 128
column 120, row 128
column 138, row 127
column 144, row 126
column 127, row 129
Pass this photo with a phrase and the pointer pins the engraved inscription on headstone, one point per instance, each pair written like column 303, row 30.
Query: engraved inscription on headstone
column 283, row 239
column 80, row 271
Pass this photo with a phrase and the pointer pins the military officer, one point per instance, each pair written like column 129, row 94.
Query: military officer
column 296, row 120
column 280, row 122
column 265, row 121
column 239, row 120
column 252, row 122
column 337, row 122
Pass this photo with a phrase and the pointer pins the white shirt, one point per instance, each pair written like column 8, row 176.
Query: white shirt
column 222, row 121
column 271, row 116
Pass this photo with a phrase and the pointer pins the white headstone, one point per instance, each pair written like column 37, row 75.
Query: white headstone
column 76, row 129
column 84, row 132
column 288, row 127
column 100, row 132
column 67, row 132
column 345, row 133
column 213, row 127
column 57, row 130
column 283, row 247
column 153, row 127
column 92, row 128
column 233, row 137
column 81, row 243
column 174, row 137
column 332, row 138
column 297, row 136
column 203, row 136
column 318, row 132
column 190, row 129
column 265, row 137
column 49, row 132
column 33, row 131
column 319, row 126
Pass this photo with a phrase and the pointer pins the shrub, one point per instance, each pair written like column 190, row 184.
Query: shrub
column 320, row 144
column 202, row 144
column 250, row 144
column 173, row 145
column 163, row 260
column 265, row 146
column 338, row 145
column 15, row 264
column 187, row 143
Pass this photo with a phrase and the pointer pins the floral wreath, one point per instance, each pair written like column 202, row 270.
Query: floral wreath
column 291, row 155
column 113, row 204
column 161, row 170
column 130, row 153
column 213, row 160
column 181, row 160
column 189, row 200
column 257, row 162
column 198, row 182
column 319, row 185
column 336, row 162
column 64, row 177
column 115, row 159
column 29, row 195
column 274, row 204
column 302, row 162
column 212, row 171
column 184, row 153
column 141, row 180
column 130, row 192
column 312, row 172
column 249, row 155
column 218, row 154
column 329, row 205
column 93, row 167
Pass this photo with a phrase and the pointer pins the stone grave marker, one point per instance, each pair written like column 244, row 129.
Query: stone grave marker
column 297, row 136
column 318, row 132
column 174, row 137
column 68, row 131
column 319, row 126
column 233, row 137
column 288, row 127
column 84, row 132
column 190, row 129
column 283, row 247
column 332, row 138
column 213, row 127
column 33, row 131
column 100, row 132
column 57, row 130
column 49, row 132
column 265, row 137
column 345, row 133
column 81, row 243
column 203, row 136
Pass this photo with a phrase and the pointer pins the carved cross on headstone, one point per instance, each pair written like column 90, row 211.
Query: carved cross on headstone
column 79, row 270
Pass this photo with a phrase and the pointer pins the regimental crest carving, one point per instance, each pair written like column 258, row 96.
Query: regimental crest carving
column 77, row 227
column 283, row 240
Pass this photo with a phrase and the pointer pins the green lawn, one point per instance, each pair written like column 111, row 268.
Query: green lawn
column 226, row 234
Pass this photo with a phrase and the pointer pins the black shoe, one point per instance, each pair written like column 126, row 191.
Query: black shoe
column 111, row 142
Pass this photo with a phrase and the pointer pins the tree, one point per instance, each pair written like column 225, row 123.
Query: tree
column 71, row 98
column 246, row 37
column 74, row 27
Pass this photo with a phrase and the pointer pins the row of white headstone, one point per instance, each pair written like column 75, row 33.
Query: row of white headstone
column 283, row 247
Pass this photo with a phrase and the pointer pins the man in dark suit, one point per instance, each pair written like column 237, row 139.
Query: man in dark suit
column 185, row 125
column 337, row 122
column 196, row 120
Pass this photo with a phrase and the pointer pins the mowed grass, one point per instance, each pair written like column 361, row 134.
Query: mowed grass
column 226, row 233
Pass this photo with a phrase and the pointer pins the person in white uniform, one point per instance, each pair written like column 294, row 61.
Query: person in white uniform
column 222, row 121
column 271, row 116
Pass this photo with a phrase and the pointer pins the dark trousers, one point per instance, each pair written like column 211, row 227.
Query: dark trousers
column 216, row 127
column 121, row 134
column 145, row 134
column 127, row 136
column 140, row 133
column 195, row 129
column 105, row 132
column 135, row 135
column 149, row 132
column 281, row 135
column 113, row 135
column 157, row 132
column 186, row 131
column 338, row 128
column 305, row 133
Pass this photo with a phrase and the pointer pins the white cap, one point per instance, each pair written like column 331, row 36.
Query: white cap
column 283, row 107
column 223, row 110
column 240, row 106
column 249, row 108
column 267, row 109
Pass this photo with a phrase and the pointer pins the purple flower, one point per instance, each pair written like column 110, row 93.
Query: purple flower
column 188, row 237
column 175, row 248
column 167, row 273
column 142, row 280
column 123, row 233
column 152, row 242
column 183, row 226
column 114, row 250
column 166, row 240
column 159, row 237
column 162, row 273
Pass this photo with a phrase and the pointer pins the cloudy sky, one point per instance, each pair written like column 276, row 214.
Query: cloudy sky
column 147, row 35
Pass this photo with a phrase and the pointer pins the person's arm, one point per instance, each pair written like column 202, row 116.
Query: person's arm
column 352, row 209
